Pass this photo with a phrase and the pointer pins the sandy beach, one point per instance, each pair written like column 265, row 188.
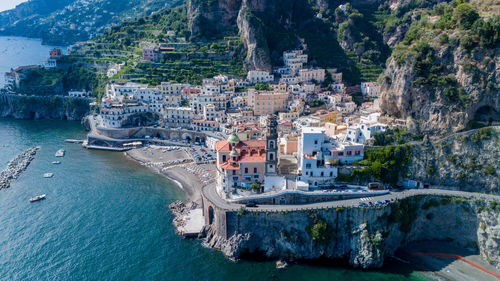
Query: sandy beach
column 178, row 166
column 440, row 268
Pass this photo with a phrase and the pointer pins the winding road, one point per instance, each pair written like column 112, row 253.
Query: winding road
column 211, row 195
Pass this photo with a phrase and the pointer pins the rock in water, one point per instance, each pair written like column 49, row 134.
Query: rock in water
column 16, row 166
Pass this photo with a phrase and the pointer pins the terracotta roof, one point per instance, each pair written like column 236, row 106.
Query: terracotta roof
column 223, row 145
column 228, row 166
column 255, row 158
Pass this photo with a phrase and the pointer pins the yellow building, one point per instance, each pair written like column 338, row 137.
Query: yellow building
column 268, row 102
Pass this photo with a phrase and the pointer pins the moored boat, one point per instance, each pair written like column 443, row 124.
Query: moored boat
column 60, row 152
column 48, row 175
column 37, row 198
column 56, row 162
column 281, row 264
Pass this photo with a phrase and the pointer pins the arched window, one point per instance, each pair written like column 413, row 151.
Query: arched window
column 271, row 156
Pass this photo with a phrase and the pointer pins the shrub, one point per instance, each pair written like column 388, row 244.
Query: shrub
column 465, row 15
column 320, row 231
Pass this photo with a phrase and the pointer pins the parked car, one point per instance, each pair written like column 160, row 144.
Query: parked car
column 250, row 204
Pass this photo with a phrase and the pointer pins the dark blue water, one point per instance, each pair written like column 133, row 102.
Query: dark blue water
column 106, row 218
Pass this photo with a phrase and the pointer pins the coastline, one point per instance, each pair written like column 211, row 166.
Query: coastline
column 179, row 173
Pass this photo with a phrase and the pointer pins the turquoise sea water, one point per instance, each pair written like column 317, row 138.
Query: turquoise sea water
column 106, row 218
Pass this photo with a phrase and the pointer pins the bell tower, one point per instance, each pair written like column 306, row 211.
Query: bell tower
column 272, row 146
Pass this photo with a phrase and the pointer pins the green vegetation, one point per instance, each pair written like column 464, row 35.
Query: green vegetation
column 316, row 103
column 395, row 136
column 47, row 82
column 404, row 212
column 263, row 87
column 483, row 134
column 241, row 211
column 384, row 163
column 181, row 60
column 320, row 231
column 441, row 30
column 256, row 186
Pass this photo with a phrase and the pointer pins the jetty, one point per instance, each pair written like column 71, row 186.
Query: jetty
column 16, row 166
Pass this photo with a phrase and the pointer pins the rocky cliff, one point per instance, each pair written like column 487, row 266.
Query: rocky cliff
column 467, row 161
column 443, row 77
column 363, row 236
column 41, row 107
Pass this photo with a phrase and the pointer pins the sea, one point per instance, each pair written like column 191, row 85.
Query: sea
column 105, row 217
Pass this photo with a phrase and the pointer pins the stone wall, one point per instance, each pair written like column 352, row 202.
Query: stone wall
column 362, row 236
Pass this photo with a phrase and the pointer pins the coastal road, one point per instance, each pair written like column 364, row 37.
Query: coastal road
column 211, row 194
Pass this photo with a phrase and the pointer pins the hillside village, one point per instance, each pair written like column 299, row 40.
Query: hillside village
column 269, row 132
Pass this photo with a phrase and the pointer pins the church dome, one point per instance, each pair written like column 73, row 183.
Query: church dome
column 233, row 139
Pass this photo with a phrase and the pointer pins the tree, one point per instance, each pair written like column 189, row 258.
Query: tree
column 465, row 15
column 256, row 186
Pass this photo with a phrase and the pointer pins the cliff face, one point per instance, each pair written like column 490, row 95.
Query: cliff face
column 468, row 161
column 428, row 109
column 363, row 236
column 38, row 107
column 443, row 77
column 227, row 17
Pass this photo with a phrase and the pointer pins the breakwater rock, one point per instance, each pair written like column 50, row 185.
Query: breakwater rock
column 43, row 107
column 363, row 237
column 16, row 166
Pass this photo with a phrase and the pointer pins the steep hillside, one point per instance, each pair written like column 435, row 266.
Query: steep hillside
column 68, row 21
column 443, row 76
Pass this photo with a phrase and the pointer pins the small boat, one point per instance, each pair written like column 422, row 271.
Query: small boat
column 60, row 152
column 73, row 141
column 56, row 162
column 281, row 264
column 37, row 198
column 48, row 175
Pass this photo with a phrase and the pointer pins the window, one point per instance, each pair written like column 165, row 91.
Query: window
column 315, row 141
column 322, row 174
column 308, row 165
column 246, row 170
column 271, row 156
column 358, row 152
column 234, row 172
column 349, row 152
column 341, row 153
column 255, row 170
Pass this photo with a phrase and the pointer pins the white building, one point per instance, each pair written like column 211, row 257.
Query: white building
column 365, row 129
column 317, row 156
column 78, row 94
column 176, row 117
column 50, row 63
column 172, row 93
column 308, row 75
column 198, row 101
column 313, row 158
column 369, row 89
column 258, row 76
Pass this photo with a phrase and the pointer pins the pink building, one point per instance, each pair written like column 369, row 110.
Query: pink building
column 151, row 54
